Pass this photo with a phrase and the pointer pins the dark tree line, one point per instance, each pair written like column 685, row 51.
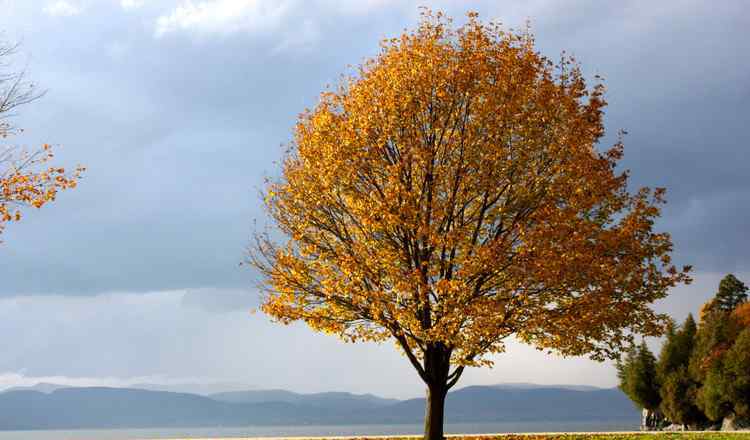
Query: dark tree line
column 702, row 374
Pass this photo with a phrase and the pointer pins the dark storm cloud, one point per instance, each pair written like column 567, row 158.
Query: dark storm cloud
column 179, row 129
column 679, row 83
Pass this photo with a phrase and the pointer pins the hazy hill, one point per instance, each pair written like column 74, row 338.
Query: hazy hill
column 203, row 389
column 485, row 404
column 329, row 400
column 97, row 407
column 42, row 387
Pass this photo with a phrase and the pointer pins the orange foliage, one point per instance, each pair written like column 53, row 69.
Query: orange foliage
column 716, row 353
column 706, row 308
column 24, row 181
column 450, row 194
column 741, row 314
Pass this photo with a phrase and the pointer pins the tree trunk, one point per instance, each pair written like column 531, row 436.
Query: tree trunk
column 436, row 367
column 434, row 413
column 651, row 420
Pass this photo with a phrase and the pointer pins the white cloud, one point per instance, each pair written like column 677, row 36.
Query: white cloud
column 19, row 379
column 61, row 8
column 206, row 336
column 12, row 379
column 131, row 4
column 171, row 337
column 223, row 16
column 291, row 21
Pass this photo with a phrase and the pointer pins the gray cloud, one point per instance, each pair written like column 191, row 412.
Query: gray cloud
column 209, row 336
column 162, row 335
column 178, row 130
column 177, row 133
column 221, row 300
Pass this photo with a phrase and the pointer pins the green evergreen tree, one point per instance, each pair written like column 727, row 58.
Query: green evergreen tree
column 677, row 348
column 668, row 355
column 713, row 338
column 678, row 404
column 737, row 374
column 712, row 341
column 713, row 397
column 732, row 292
column 689, row 330
column 703, row 371
column 678, row 390
column 624, row 370
column 710, row 365
column 638, row 378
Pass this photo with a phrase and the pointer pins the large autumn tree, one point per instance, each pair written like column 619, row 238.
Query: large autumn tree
column 27, row 179
column 449, row 195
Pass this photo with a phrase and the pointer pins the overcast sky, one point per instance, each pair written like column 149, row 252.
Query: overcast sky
column 179, row 109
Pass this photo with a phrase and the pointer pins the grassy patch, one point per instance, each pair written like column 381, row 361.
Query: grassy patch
column 615, row 436
column 644, row 436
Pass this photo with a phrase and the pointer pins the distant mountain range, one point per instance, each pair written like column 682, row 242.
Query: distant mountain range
column 53, row 407
column 42, row 387
column 202, row 389
column 330, row 400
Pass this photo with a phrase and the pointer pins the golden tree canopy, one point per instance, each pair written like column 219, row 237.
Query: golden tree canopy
column 450, row 194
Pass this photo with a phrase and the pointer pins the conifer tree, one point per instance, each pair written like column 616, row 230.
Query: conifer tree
column 737, row 373
column 677, row 347
column 678, row 393
column 689, row 330
column 639, row 381
column 668, row 353
column 713, row 397
column 711, row 341
column 726, row 388
column 624, row 368
column 718, row 333
column 703, row 371
column 677, row 390
column 732, row 292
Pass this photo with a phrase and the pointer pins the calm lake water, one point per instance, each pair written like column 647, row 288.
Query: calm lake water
column 312, row 430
